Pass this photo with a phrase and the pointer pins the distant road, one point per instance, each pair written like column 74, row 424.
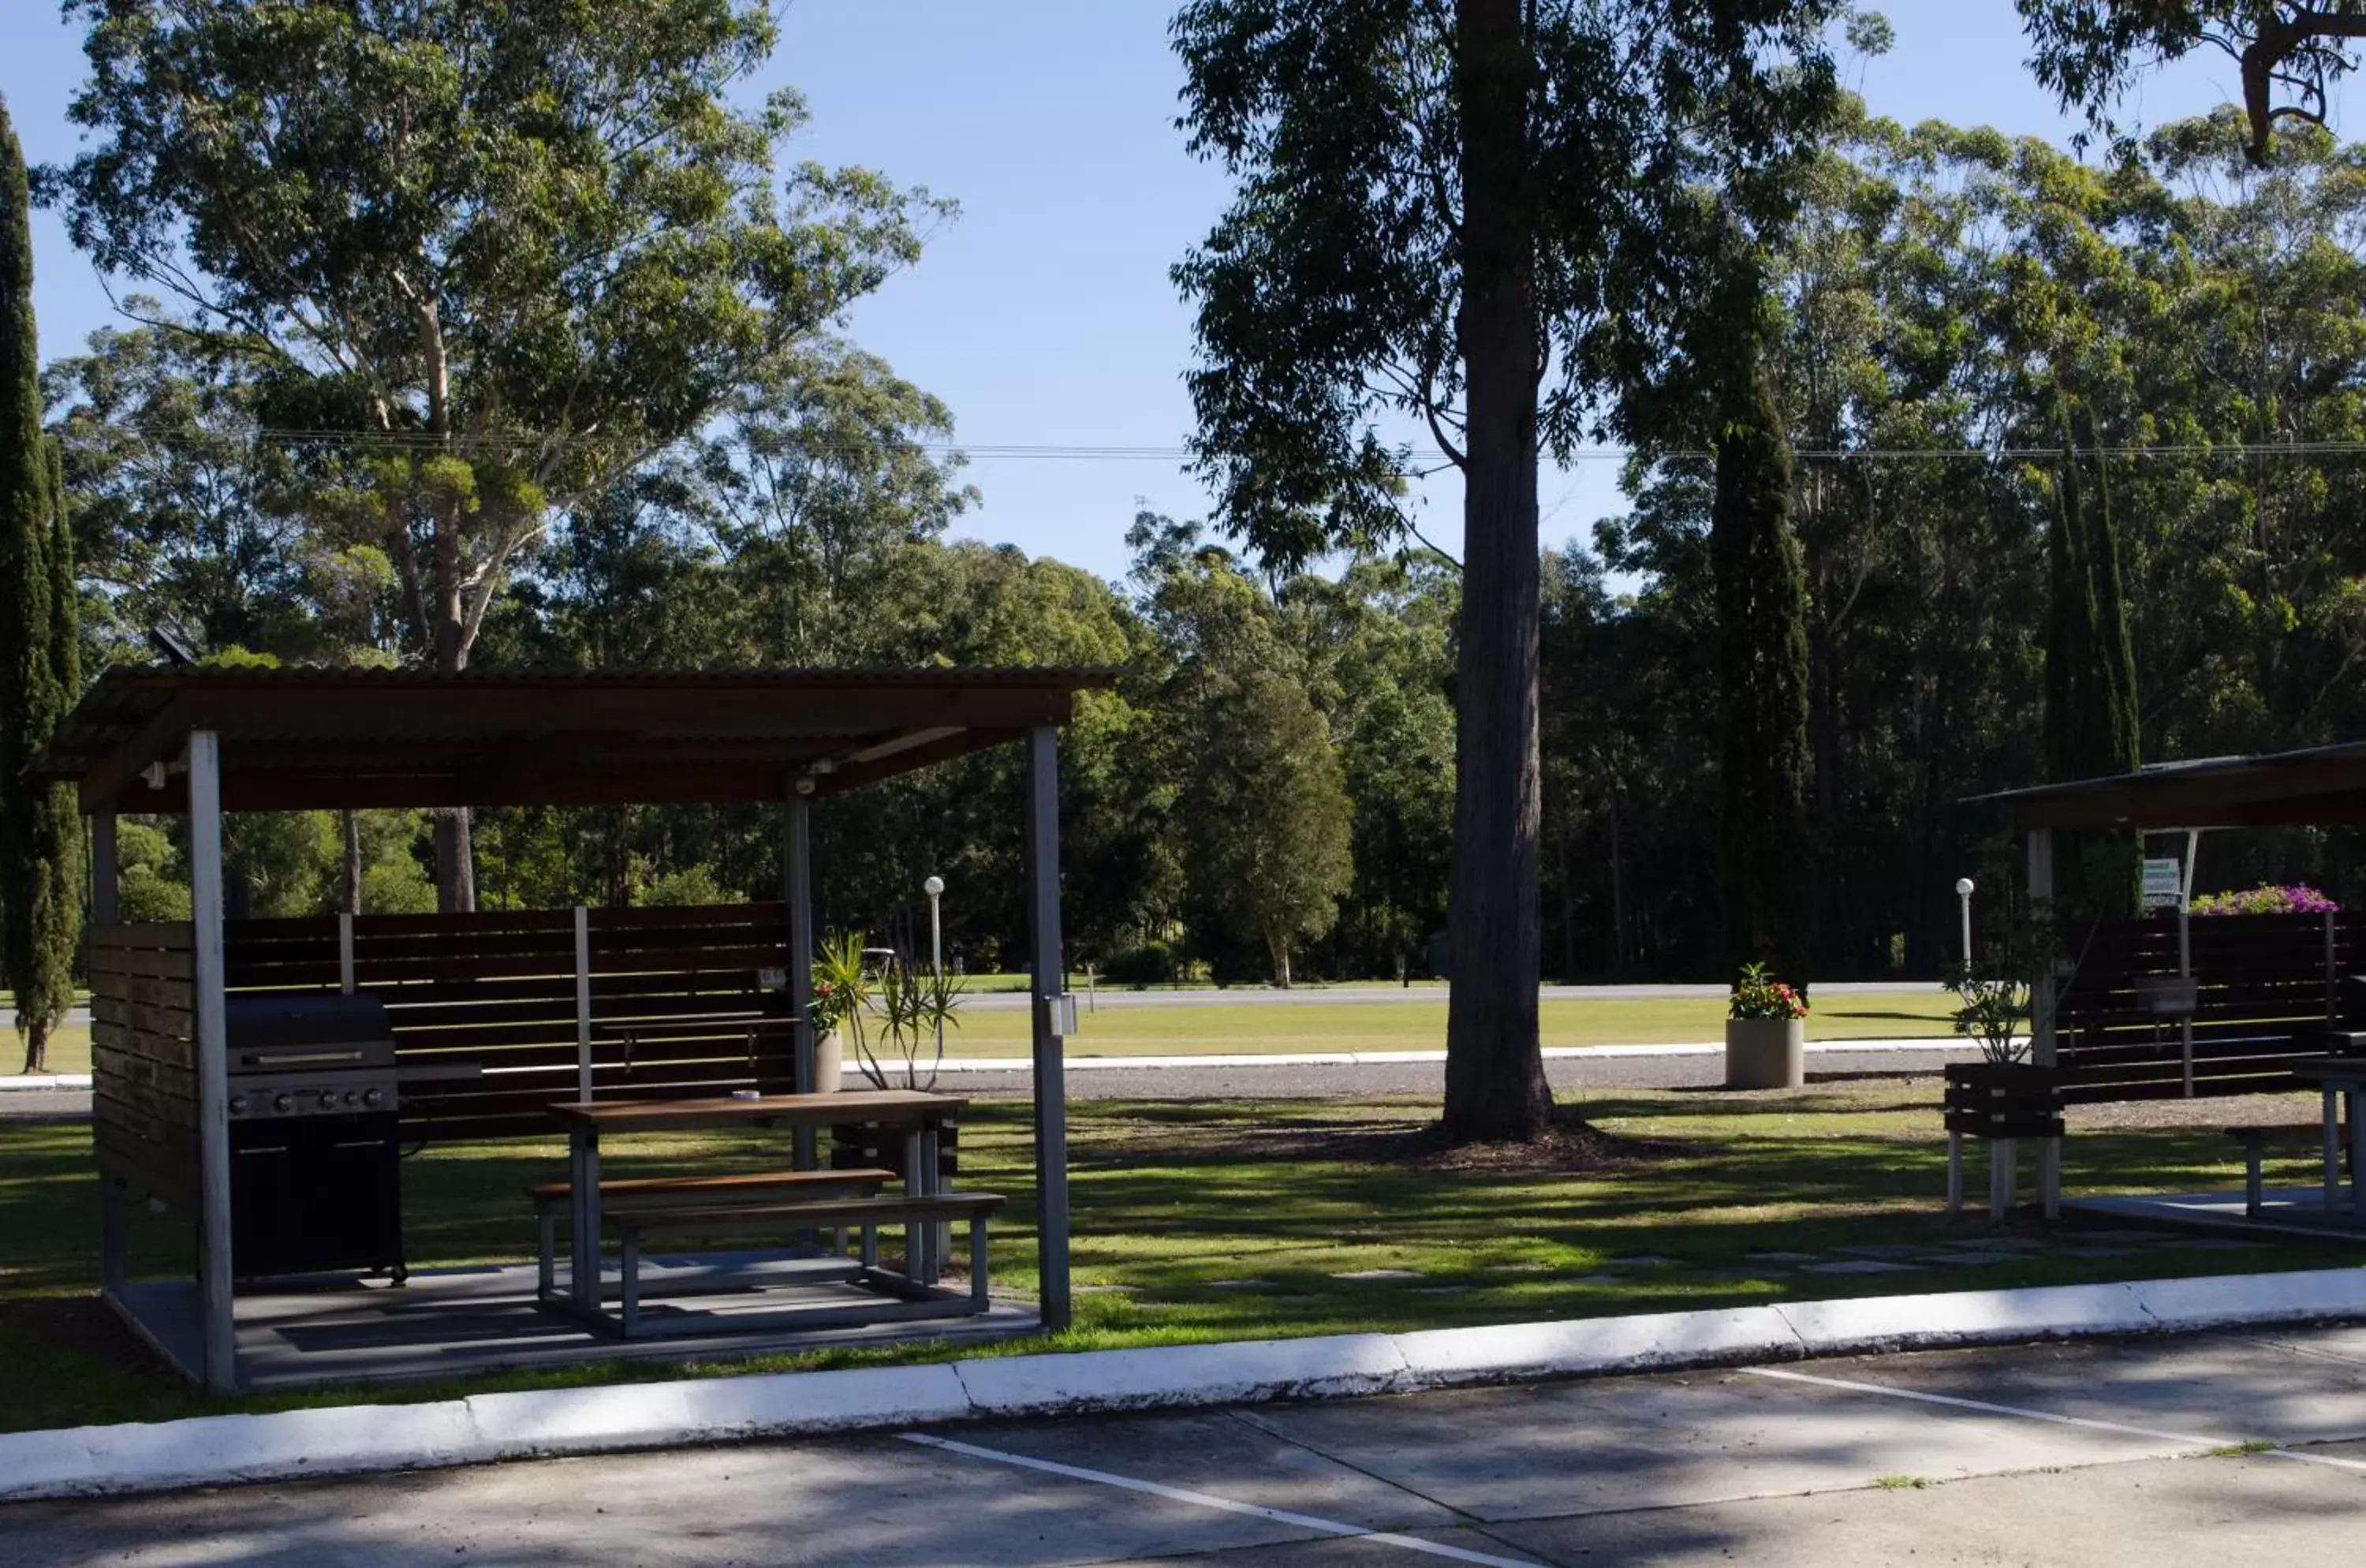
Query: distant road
column 1331, row 996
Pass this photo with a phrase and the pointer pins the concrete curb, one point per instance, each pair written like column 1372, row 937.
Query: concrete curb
column 27, row 1082
column 1291, row 1060
column 216, row 1450
column 1416, row 1058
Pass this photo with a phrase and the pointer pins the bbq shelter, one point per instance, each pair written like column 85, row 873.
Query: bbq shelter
column 2170, row 1006
column 475, row 1026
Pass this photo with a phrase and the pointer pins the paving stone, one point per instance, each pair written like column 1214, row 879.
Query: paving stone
column 1999, row 1244
column 1240, row 1285
column 1596, row 1279
column 1882, row 1249
column 1361, row 1274
column 1106, row 1290
column 1440, row 1290
column 1784, row 1256
column 1966, row 1259
column 1860, row 1265
column 1640, row 1260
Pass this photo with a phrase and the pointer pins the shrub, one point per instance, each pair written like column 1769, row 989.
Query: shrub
column 1150, row 964
column 1758, row 995
column 2267, row 899
column 693, row 885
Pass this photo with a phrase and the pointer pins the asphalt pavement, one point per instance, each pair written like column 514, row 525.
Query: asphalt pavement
column 2231, row 1449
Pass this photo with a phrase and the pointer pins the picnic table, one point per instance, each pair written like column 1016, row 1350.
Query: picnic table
column 921, row 1116
column 2340, row 1082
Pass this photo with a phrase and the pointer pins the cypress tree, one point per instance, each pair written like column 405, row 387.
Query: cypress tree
column 1766, row 857
column 2090, row 721
column 40, row 859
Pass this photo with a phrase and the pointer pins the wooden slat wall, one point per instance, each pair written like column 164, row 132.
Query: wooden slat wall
column 2265, row 986
column 498, row 989
column 143, row 1058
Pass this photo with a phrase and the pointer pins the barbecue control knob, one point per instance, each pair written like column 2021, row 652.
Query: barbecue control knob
column 349, row 1097
column 238, row 1105
column 283, row 1102
column 373, row 1099
column 328, row 1100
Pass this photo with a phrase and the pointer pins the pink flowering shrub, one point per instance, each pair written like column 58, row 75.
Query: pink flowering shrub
column 2297, row 900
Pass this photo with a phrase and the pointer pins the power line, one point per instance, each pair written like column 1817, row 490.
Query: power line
column 1427, row 458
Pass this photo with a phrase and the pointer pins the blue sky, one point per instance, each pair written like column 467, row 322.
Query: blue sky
column 1044, row 315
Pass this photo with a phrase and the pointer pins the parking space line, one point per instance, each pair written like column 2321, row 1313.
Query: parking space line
column 1227, row 1505
column 2198, row 1441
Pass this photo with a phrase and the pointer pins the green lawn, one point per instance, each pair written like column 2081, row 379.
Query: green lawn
column 1215, row 1220
column 1276, row 1027
column 1257, row 1028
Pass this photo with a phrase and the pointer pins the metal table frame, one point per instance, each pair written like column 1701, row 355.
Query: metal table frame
column 923, row 1116
column 2341, row 1084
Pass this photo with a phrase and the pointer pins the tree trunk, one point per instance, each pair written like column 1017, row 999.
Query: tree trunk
column 1495, row 1085
column 37, row 1045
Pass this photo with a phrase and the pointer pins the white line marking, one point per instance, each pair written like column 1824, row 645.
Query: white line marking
column 2194, row 1439
column 1208, row 1500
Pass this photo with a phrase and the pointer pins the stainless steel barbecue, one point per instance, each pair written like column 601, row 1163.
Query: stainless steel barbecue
column 309, row 1057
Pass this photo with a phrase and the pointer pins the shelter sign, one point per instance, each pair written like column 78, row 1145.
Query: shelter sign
column 2164, row 886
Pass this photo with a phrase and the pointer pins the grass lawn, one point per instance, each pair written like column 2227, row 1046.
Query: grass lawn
column 1213, row 1221
column 1276, row 1027
column 1249, row 1028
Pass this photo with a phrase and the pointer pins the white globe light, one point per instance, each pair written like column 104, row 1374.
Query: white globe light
column 1963, row 887
column 933, row 887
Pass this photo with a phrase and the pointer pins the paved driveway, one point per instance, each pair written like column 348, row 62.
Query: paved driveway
column 2145, row 1452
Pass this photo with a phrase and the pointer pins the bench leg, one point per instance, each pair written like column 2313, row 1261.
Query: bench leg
column 2252, row 1153
column 632, row 1282
column 870, row 1246
column 2332, row 1155
column 2049, row 1176
column 546, row 1224
column 1954, row 1175
column 978, row 1302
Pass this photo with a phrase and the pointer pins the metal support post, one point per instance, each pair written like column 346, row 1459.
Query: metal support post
column 345, row 951
column 1051, row 1069
column 1954, row 1175
column 214, row 1265
column 105, row 868
column 797, row 891
column 2043, row 1040
column 582, row 1002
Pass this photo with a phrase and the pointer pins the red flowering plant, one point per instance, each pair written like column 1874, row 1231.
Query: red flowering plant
column 1758, row 995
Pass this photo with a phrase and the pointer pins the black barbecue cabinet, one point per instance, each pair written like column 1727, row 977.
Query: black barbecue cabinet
column 315, row 1162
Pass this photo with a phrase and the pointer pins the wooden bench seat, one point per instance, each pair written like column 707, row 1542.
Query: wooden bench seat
column 2258, row 1141
column 552, row 1199
column 636, row 1225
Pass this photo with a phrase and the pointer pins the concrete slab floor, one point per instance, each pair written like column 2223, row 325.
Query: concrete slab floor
column 1832, row 1463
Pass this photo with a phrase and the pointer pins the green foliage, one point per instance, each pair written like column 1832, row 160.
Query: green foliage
column 1767, row 851
column 40, row 823
column 689, row 885
column 841, row 986
column 1758, row 995
column 1143, row 964
column 914, row 1010
column 522, row 246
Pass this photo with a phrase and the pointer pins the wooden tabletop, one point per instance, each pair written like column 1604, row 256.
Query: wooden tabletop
column 862, row 1105
column 2334, row 1070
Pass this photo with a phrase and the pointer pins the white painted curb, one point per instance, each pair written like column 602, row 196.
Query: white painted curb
column 1416, row 1058
column 1285, row 1059
column 216, row 1449
column 25, row 1082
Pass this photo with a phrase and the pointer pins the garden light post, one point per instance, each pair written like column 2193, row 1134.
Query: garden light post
column 935, row 887
column 1964, row 893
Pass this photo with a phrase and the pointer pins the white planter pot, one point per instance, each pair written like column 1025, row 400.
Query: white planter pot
column 829, row 1062
column 1766, row 1052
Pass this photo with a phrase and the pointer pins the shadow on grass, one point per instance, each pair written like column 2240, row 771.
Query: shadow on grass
column 1220, row 1221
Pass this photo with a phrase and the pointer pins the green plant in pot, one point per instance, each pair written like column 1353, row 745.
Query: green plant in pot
column 1765, row 1033
column 842, row 1004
